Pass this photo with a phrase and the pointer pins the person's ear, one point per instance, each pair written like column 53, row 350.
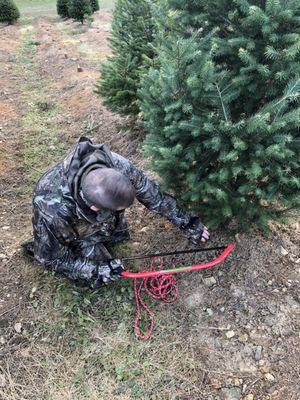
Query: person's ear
column 94, row 208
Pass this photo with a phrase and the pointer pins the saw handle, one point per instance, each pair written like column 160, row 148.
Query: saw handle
column 196, row 267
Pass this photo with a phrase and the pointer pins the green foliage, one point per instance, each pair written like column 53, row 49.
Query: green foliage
column 132, row 33
column 8, row 11
column 80, row 9
column 62, row 7
column 95, row 5
column 223, row 109
column 257, row 44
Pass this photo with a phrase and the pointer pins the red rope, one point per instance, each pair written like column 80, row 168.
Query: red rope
column 161, row 287
column 160, row 284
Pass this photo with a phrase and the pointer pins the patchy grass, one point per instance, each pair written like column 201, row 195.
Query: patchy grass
column 47, row 8
column 42, row 144
column 81, row 347
column 35, row 8
column 108, row 4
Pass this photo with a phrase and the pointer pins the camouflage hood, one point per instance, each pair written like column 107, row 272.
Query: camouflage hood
column 83, row 158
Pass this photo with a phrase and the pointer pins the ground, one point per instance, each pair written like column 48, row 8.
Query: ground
column 232, row 337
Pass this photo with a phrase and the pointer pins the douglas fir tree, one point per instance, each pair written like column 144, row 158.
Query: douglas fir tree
column 80, row 9
column 133, row 29
column 8, row 11
column 62, row 7
column 223, row 109
column 95, row 5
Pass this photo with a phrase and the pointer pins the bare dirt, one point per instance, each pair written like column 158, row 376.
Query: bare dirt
column 236, row 337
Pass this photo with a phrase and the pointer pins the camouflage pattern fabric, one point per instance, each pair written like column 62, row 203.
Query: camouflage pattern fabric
column 72, row 239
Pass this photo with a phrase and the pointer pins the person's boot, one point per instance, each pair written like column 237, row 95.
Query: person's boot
column 28, row 249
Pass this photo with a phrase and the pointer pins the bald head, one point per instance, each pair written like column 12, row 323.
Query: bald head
column 107, row 188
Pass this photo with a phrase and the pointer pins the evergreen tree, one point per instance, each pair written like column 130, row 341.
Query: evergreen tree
column 95, row 5
column 62, row 7
column 249, row 42
column 80, row 9
column 223, row 110
column 189, row 14
column 132, row 33
column 9, row 12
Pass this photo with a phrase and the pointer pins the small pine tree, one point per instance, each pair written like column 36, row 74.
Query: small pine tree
column 9, row 12
column 224, row 110
column 62, row 7
column 80, row 9
column 133, row 30
column 95, row 5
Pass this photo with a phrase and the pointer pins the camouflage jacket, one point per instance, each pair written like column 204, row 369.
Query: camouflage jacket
column 69, row 237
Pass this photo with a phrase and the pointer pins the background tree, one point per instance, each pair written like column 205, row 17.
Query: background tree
column 223, row 110
column 9, row 12
column 80, row 9
column 62, row 7
column 95, row 5
column 133, row 30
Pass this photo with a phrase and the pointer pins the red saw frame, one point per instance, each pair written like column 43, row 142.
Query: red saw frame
column 196, row 267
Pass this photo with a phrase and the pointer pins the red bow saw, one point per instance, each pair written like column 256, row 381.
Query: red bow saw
column 160, row 283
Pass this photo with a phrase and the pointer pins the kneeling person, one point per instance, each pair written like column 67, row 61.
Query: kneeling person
column 78, row 210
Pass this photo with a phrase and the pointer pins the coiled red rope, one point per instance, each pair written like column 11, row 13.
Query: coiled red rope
column 161, row 287
column 160, row 284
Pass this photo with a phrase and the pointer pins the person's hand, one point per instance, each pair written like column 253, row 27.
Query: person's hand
column 195, row 231
column 108, row 272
